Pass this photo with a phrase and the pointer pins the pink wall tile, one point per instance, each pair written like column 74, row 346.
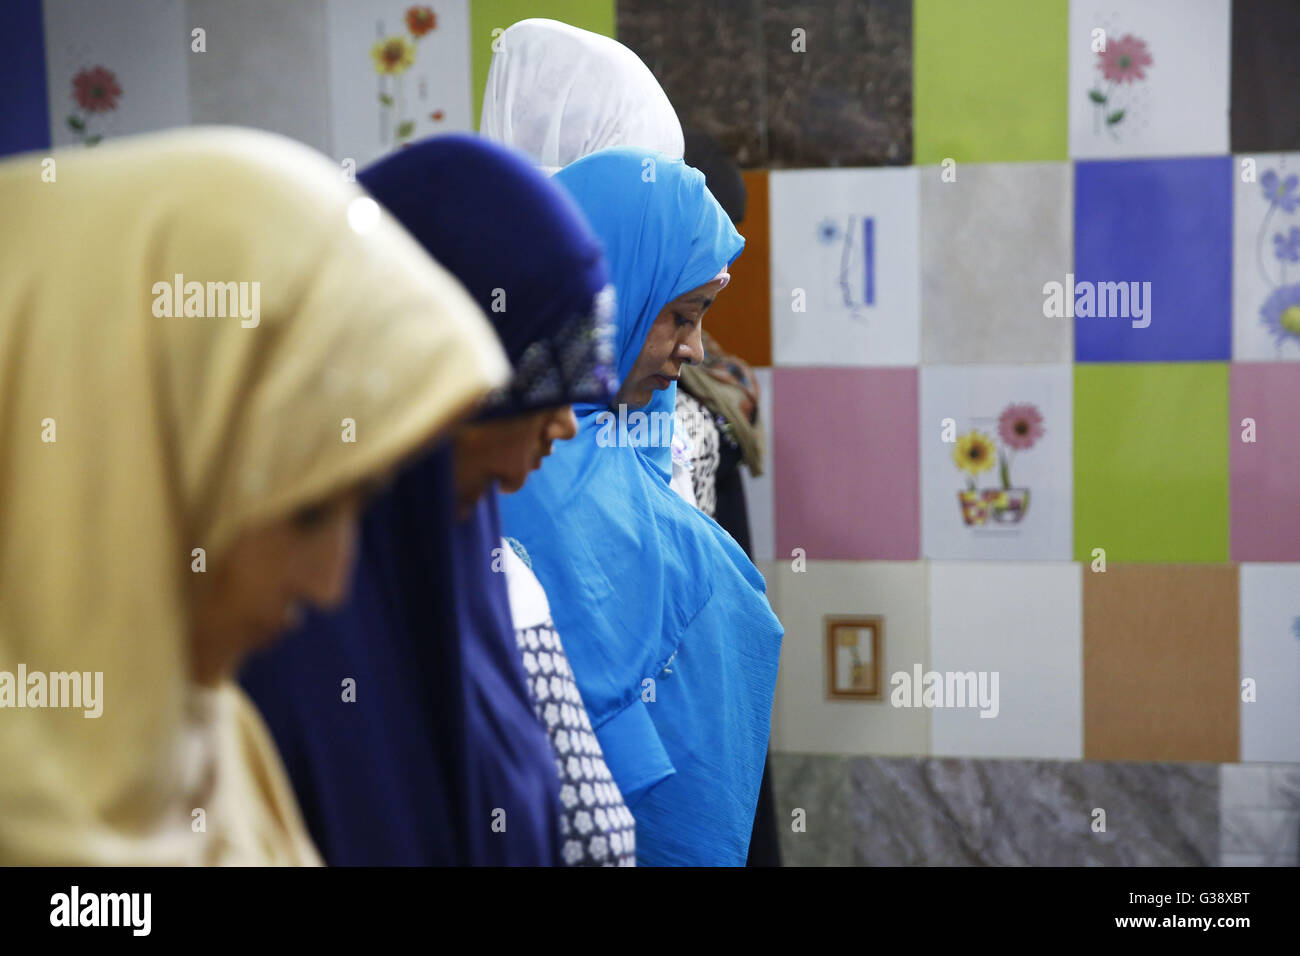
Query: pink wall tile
column 845, row 463
column 1265, row 475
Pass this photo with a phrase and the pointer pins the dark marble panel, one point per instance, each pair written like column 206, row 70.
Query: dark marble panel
column 1265, row 110
column 709, row 59
column 846, row 100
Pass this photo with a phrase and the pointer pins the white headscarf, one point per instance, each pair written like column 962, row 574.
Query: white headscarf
column 559, row 93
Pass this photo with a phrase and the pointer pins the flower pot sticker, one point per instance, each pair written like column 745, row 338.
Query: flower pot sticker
column 1020, row 426
column 1007, row 505
column 973, row 509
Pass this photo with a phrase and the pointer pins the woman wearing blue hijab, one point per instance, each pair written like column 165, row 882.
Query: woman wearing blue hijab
column 665, row 620
column 406, row 720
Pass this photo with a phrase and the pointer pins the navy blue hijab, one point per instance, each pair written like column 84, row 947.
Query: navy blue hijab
column 440, row 758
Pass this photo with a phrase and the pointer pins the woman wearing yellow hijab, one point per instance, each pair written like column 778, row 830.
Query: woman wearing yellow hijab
column 209, row 342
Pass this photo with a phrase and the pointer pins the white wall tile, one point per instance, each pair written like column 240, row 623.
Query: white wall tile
column 804, row 720
column 1024, row 621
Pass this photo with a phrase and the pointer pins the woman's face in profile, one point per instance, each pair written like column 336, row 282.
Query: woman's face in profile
column 256, row 590
column 506, row 450
column 673, row 341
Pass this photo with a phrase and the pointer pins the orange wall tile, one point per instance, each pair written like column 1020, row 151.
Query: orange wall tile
column 741, row 319
column 1160, row 663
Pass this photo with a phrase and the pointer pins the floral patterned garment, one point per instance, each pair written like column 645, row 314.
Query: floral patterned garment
column 702, row 432
column 596, row 827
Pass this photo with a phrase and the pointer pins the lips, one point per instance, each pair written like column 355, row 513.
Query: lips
column 664, row 379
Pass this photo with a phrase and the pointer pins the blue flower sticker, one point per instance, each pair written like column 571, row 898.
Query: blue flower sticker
column 1281, row 192
column 1281, row 313
column 828, row 232
column 1287, row 246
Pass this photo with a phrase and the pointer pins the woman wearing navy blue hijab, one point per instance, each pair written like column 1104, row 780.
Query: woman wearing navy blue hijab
column 406, row 720
column 665, row 619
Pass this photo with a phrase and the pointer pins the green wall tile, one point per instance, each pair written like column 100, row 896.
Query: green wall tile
column 991, row 82
column 1151, row 461
column 486, row 15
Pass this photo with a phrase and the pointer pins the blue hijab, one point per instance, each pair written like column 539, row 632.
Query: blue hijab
column 665, row 620
column 441, row 759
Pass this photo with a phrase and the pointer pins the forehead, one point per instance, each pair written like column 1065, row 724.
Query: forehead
column 701, row 297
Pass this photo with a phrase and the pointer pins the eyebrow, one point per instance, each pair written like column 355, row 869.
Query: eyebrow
column 698, row 300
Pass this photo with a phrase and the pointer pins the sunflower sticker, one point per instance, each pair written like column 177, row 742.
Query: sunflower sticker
column 392, row 56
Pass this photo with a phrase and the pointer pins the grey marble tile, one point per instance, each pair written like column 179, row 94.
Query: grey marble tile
column 846, row 99
column 1248, row 830
column 1016, row 812
column 1273, row 834
column 1246, row 785
column 709, row 60
column 1285, row 793
column 922, row 811
column 1286, row 848
column 1260, row 814
column 820, row 786
column 988, row 309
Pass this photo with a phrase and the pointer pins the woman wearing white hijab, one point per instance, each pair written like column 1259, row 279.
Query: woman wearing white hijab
column 559, row 93
column 180, row 476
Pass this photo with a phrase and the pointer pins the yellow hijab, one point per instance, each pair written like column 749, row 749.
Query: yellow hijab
column 130, row 437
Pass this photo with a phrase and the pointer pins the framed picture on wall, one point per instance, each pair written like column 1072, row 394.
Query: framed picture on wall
column 853, row 657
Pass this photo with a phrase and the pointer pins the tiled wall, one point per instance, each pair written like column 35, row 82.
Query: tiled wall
column 928, row 168
column 1142, row 453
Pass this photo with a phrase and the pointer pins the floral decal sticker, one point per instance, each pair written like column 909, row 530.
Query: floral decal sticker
column 1122, row 63
column 1280, row 312
column 392, row 56
column 855, row 277
column 421, row 20
column 96, row 90
column 1020, row 426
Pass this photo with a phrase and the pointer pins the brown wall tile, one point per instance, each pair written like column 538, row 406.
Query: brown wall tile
column 741, row 319
column 1160, row 663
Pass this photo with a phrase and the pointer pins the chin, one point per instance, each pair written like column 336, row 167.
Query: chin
column 512, row 484
column 634, row 401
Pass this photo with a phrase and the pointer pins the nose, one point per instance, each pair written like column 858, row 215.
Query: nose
column 690, row 350
column 563, row 425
